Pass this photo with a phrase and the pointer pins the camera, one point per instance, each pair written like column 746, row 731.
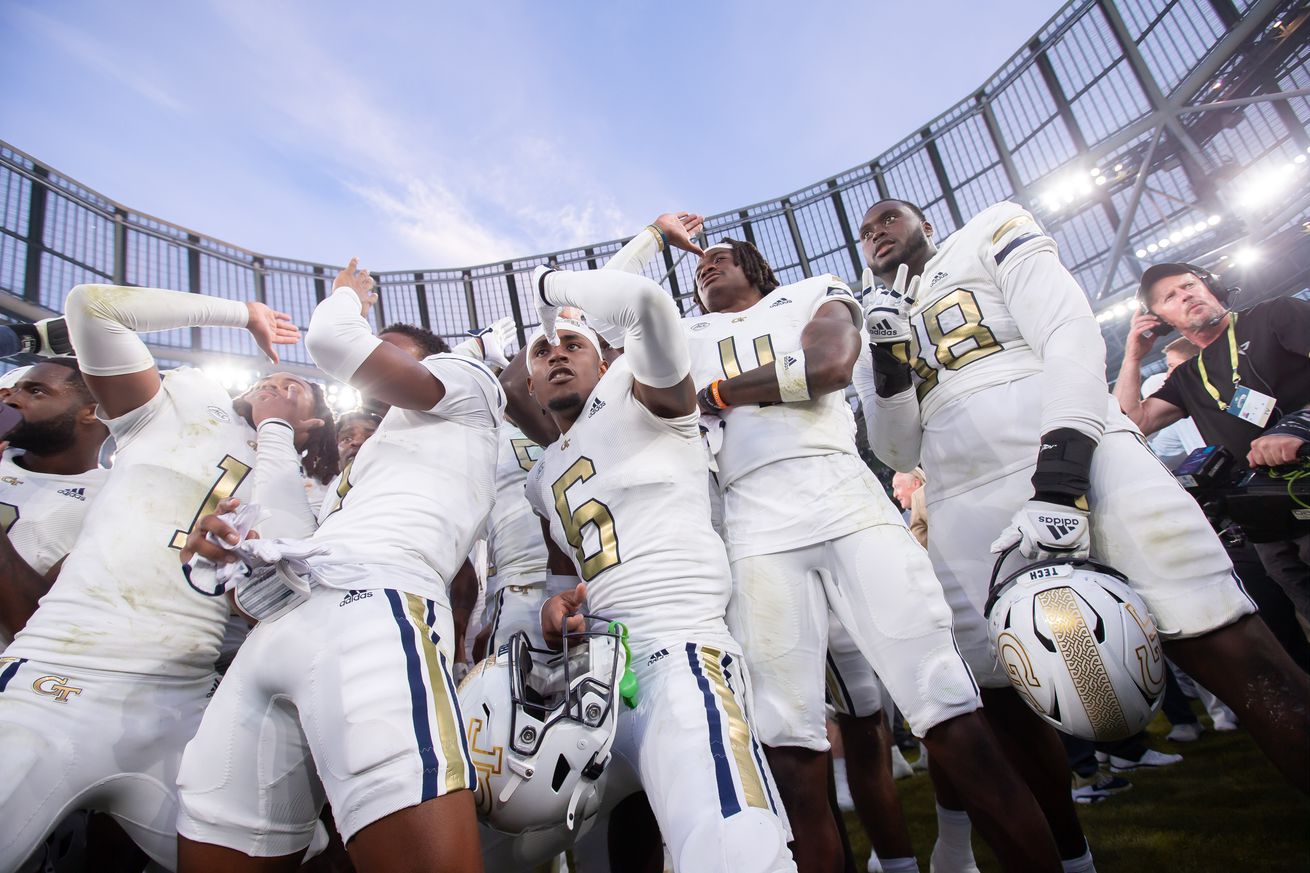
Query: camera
column 1260, row 505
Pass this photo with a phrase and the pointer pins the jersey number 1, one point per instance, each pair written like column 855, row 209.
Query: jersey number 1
column 234, row 473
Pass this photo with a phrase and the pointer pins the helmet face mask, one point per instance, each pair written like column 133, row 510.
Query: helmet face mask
column 1079, row 646
column 546, row 687
column 540, row 725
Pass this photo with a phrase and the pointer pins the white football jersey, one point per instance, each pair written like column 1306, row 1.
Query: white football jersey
column 515, row 551
column 977, row 377
column 42, row 513
column 122, row 601
column 964, row 337
column 624, row 494
column 777, row 458
column 418, row 492
column 727, row 344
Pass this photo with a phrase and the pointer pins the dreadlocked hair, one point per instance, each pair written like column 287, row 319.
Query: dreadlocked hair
column 321, row 460
column 429, row 342
column 756, row 270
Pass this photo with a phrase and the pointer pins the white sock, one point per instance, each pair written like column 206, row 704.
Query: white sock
column 954, row 830
column 1081, row 864
column 900, row 865
column 953, row 851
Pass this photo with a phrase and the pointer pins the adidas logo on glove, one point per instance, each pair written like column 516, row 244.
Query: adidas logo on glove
column 1059, row 527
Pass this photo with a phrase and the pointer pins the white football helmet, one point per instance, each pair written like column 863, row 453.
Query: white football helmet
column 1079, row 646
column 540, row 725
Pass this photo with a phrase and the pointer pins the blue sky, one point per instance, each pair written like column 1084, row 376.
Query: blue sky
column 430, row 134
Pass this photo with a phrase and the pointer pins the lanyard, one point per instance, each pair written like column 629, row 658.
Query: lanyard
column 1232, row 354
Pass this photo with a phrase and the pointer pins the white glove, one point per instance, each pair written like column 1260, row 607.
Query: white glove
column 1046, row 531
column 547, row 312
column 886, row 309
column 494, row 340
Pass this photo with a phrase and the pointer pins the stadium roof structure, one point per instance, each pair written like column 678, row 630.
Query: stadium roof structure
column 1135, row 130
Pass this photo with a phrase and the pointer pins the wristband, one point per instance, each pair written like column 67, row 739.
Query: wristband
column 1064, row 464
column 281, row 421
column 660, row 236
column 793, row 386
column 711, row 395
column 1294, row 424
column 891, row 375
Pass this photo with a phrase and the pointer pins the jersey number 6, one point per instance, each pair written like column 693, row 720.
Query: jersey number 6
column 591, row 512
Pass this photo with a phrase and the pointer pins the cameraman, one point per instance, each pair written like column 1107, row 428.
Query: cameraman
column 1248, row 390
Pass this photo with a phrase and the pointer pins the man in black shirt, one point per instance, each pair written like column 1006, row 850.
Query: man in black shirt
column 1248, row 390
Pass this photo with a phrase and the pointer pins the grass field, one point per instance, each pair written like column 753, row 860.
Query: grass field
column 1224, row 808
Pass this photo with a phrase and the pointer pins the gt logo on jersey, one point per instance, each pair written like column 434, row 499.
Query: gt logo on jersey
column 56, row 687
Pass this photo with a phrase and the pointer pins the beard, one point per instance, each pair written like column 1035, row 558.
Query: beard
column 1207, row 316
column 566, row 403
column 47, row 437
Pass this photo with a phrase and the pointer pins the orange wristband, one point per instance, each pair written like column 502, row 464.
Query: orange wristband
column 714, row 392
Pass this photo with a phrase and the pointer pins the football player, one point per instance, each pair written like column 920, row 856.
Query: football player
column 100, row 692
column 48, row 477
column 1004, row 400
column 344, row 694
column 772, row 361
column 623, row 501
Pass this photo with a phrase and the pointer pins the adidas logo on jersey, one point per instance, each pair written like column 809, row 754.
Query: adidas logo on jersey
column 1059, row 527
column 779, row 302
column 354, row 596
column 596, row 406
column 936, row 277
column 78, row 493
column 658, row 656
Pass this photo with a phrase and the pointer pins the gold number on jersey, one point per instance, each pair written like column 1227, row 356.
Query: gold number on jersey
column 343, row 486
column 523, row 451
column 234, row 473
column 728, row 354
column 968, row 340
column 592, row 512
column 8, row 516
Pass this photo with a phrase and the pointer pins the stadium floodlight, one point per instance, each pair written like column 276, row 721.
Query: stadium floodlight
column 1141, row 253
column 342, row 398
column 1213, row 220
column 1246, row 256
column 1266, row 185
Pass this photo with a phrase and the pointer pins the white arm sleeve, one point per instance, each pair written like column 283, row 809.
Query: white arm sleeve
column 632, row 258
column 639, row 252
column 103, row 321
column 279, row 484
column 655, row 343
column 339, row 338
column 1056, row 321
column 892, row 424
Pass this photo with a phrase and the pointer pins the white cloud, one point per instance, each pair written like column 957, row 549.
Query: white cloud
column 450, row 200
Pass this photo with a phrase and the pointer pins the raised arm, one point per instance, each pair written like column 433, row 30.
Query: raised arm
column 343, row 345
column 654, row 342
column 521, row 407
column 1153, row 413
column 103, row 321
